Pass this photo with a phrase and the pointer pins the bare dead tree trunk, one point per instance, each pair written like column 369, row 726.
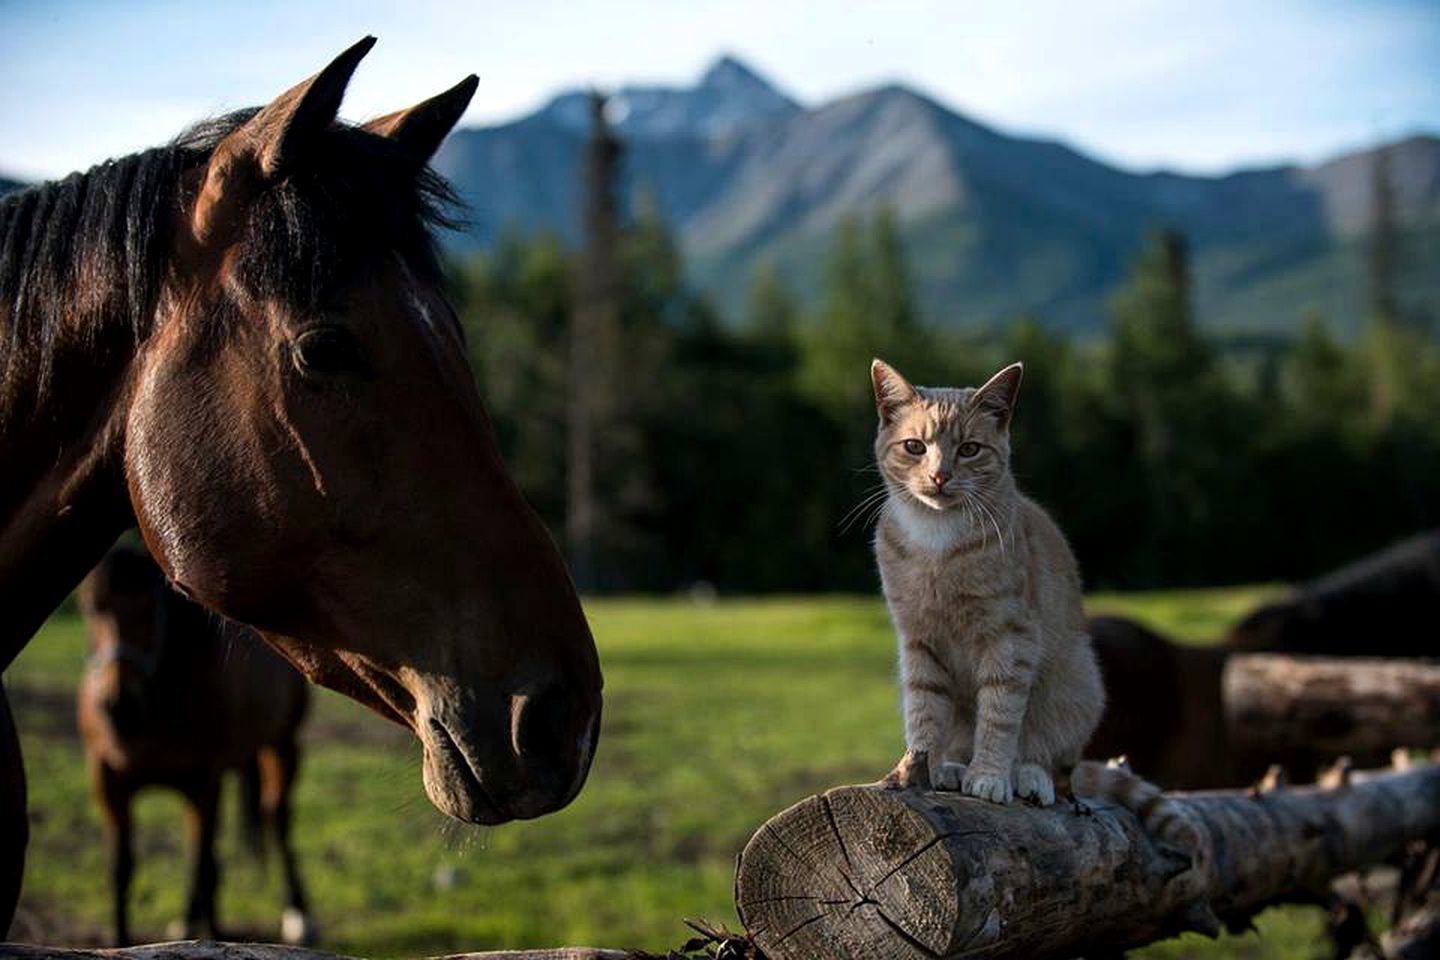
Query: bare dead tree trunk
column 592, row 336
column 1277, row 705
column 868, row 872
column 1381, row 262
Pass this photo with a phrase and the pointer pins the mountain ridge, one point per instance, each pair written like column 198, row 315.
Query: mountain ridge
column 996, row 224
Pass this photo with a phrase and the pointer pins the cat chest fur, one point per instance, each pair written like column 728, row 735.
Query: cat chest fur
column 955, row 597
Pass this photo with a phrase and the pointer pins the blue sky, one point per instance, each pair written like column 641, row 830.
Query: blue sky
column 1194, row 86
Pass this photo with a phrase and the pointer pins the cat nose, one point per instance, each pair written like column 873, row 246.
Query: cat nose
column 940, row 479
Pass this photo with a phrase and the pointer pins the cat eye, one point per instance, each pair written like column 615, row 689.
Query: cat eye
column 914, row 447
column 323, row 351
column 969, row 448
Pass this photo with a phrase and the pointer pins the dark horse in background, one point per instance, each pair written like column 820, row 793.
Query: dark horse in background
column 175, row 696
column 239, row 343
column 1166, row 711
column 1383, row 605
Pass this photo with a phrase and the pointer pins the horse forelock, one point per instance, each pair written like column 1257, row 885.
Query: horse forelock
column 335, row 220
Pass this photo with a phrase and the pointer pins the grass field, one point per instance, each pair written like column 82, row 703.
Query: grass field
column 716, row 716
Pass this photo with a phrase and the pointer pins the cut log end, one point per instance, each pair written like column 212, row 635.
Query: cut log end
column 869, row 872
column 855, row 866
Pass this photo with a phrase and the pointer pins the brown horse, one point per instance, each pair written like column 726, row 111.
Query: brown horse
column 175, row 696
column 1164, row 709
column 240, row 343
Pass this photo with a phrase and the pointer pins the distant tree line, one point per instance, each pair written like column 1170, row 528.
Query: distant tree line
column 739, row 454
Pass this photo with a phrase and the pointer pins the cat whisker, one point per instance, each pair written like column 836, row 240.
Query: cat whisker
column 977, row 517
column 989, row 511
column 875, row 513
column 995, row 511
column 870, row 499
column 970, row 522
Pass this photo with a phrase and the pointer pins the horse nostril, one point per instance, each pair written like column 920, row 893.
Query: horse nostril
column 540, row 723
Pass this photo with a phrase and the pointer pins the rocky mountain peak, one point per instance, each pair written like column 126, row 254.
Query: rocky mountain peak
column 729, row 98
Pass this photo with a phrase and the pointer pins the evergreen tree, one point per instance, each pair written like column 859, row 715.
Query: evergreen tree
column 1323, row 388
column 890, row 286
column 771, row 311
column 866, row 311
column 1164, row 380
column 515, row 303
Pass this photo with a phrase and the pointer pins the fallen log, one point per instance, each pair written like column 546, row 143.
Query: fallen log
column 1277, row 705
column 866, row 872
column 1199, row 718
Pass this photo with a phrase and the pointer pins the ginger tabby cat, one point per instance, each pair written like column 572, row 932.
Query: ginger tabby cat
column 999, row 681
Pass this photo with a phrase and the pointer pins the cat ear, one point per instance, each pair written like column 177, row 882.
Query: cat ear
column 892, row 391
column 997, row 396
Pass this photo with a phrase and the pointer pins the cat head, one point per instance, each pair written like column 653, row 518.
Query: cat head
column 944, row 447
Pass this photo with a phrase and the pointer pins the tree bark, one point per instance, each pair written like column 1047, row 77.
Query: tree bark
column 865, row 872
column 1278, row 705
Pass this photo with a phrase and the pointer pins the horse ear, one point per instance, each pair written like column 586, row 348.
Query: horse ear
column 892, row 391
column 997, row 396
column 259, row 151
column 422, row 128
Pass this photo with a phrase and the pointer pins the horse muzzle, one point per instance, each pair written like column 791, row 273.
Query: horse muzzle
column 524, row 760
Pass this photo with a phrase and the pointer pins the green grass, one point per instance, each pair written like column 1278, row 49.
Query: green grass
column 716, row 717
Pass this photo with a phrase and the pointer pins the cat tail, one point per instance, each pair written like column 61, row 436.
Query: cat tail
column 1178, row 841
column 1163, row 820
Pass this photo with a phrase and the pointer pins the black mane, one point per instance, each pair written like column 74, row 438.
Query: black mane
column 97, row 239
column 84, row 253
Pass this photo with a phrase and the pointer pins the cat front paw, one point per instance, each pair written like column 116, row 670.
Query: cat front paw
column 948, row 776
column 987, row 786
column 1033, row 783
column 911, row 773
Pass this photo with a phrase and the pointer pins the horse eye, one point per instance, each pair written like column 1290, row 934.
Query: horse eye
column 914, row 447
column 328, row 350
column 969, row 448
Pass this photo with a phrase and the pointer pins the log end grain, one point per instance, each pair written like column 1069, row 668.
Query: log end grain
column 853, row 872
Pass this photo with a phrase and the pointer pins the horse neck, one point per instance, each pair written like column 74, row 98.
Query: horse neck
column 62, row 491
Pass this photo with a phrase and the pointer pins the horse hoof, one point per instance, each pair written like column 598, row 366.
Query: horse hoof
column 296, row 928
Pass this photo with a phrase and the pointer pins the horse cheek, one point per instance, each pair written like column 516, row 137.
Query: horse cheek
column 208, row 497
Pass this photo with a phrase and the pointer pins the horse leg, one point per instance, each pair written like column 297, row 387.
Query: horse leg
column 114, row 793
column 279, row 765
column 14, row 820
column 201, row 819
